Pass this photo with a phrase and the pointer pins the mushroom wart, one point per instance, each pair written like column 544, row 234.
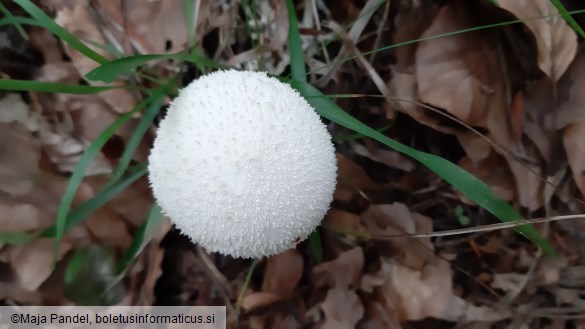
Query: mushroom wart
column 242, row 164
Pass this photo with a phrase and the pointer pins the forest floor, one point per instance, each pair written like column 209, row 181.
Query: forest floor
column 464, row 80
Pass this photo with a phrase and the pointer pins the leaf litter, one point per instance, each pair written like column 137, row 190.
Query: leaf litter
column 519, row 85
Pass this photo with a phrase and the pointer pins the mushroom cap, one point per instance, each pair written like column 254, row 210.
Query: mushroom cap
column 242, row 164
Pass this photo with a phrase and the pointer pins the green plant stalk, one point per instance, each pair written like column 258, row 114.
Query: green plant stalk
column 51, row 87
column 567, row 16
column 106, row 194
column 56, row 29
column 297, row 56
column 17, row 25
column 79, row 171
column 110, row 71
column 140, row 239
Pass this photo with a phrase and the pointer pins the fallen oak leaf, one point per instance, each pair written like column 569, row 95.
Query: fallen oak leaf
column 556, row 40
column 418, row 294
column 283, row 273
column 343, row 309
column 343, row 271
column 462, row 73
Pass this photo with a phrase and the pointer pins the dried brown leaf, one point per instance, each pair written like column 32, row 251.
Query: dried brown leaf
column 259, row 299
column 20, row 217
column 539, row 125
column 556, row 40
column 19, row 159
column 343, row 309
column 529, row 185
column 396, row 219
column 154, row 26
column 107, row 226
column 80, row 23
column 574, row 135
column 339, row 220
column 418, row 294
column 351, row 177
column 390, row 158
column 344, row 271
column 476, row 148
column 283, row 273
column 570, row 96
column 32, row 262
column 462, row 73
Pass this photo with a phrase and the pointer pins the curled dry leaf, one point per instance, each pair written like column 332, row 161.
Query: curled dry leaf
column 342, row 308
column 106, row 225
column 570, row 96
column 507, row 281
column 352, row 177
column 573, row 140
column 283, row 273
column 462, row 73
column 571, row 117
column 32, row 262
column 396, row 219
column 257, row 300
column 19, row 159
column 18, row 112
column 344, row 271
column 390, row 158
column 157, row 27
column 556, row 40
column 538, row 125
column 281, row 276
column 343, row 221
column 529, row 185
column 476, row 148
column 79, row 22
column 20, row 217
column 418, row 294
column 413, row 19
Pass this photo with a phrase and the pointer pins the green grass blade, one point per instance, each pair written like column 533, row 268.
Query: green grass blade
column 145, row 122
column 567, row 16
column 60, row 32
column 17, row 25
column 139, row 132
column 16, row 238
column 79, row 171
column 110, row 71
column 244, row 4
column 316, row 246
column 18, row 20
column 189, row 7
column 106, row 194
column 50, row 87
column 469, row 185
column 88, row 275
column 141, row 239
column 297, row 56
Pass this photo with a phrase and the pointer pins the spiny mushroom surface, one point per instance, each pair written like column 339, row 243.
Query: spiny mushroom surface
column 242, row 164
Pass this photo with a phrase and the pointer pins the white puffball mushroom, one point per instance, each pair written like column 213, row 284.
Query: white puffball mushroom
column 242, row 164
